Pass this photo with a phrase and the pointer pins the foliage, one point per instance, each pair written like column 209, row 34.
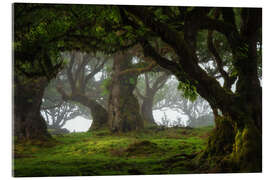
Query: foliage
column 36, row 46
column 189, row 91
column 105, row 86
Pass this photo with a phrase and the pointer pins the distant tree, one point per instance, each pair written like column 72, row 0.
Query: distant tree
column 165, row 122
column 123, row 106
column 56, row 117
column 56, row 111
column 41, row 33
column 178, row 122
column 77, row 83
column 147, row 90
column 81, row 85
column 174, row 99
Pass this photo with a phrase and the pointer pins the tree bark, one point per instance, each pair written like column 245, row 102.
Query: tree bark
column 148, row 97
column 99, row 114
column 123, row 106
column 242, row 110
column 147, row 110
column 28, row 122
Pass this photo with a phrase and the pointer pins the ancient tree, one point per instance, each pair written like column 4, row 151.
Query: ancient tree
column 239, row 127
column 151, row 86
column 56, row 117
column 35, row 64
column 41, row 33
column 123, row 107
column 80, row 75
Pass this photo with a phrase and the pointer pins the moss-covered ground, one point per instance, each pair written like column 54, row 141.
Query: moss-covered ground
column 151, row 151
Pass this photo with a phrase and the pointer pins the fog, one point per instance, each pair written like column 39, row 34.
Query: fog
column 89, row 77
column 78, row 124
column 81, row 124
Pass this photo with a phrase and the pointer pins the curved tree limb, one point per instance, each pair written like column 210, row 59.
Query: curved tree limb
column 218, row 60
column 138, row 70
column 188, row 60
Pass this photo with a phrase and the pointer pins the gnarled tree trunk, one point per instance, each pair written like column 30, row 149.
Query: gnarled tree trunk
column 235, row 145
column 99, row 114
column 148, row 97
column 28, row 122
column 78, row 80
column 243, row 109
column 123, row 106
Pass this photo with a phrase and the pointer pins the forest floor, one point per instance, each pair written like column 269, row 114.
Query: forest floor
column 151, row 151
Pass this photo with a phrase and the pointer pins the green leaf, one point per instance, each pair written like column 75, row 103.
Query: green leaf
column 132, row 81
column 189, row 91
column 99, row 29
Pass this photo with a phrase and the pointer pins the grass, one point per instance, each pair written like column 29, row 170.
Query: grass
column 148, row 151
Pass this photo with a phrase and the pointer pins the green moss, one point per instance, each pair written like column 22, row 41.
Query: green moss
column 103, row 153
column 222, row 138
column 144, row 147
column 219, row 145
column 247, row 150
column 231, row 151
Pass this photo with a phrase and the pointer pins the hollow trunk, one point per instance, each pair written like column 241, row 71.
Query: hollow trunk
column 147, row 110
column 28, row 123
column 123, row 106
